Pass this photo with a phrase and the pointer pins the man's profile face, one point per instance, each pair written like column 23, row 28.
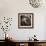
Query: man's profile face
column 25, row 21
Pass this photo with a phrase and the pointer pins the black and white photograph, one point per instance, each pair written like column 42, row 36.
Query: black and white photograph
column 25, row 20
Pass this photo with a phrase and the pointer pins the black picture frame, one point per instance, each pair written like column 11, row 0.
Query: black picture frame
column 25, row 20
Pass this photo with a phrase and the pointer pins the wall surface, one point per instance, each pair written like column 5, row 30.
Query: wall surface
column 11, row 8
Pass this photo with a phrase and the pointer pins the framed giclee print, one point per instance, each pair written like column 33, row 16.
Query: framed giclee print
column 25, row 20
